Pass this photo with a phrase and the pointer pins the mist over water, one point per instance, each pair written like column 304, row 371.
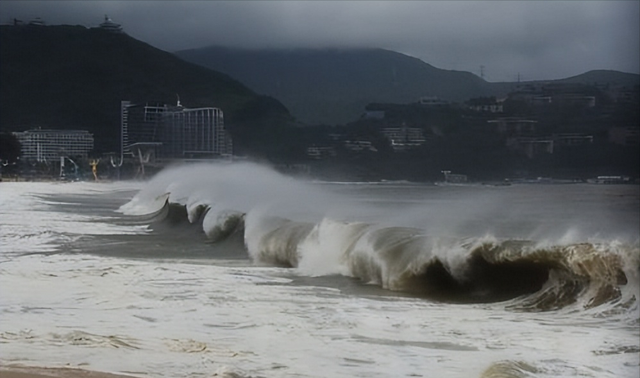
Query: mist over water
column 457, row 211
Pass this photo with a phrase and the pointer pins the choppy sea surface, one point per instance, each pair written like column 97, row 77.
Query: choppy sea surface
column 230, row 269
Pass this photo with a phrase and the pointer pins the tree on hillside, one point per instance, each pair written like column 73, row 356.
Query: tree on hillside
column 9, row 148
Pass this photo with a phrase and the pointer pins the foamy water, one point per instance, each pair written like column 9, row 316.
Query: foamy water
column 71, row 295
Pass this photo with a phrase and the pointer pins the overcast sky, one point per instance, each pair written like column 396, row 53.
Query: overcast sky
column 534, row 39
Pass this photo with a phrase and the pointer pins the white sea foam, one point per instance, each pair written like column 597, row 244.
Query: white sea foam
column 29, row 223
column 173, row 320
column 176, row 318
column 325, row 251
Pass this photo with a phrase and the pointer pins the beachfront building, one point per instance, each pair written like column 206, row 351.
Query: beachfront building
column 454, row 178
column 173, row 132
column 195, row 133
column 50, row 145
column 140, row 126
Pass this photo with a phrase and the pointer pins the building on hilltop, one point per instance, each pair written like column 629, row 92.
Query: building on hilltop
column 110, row 26
column 37, row 22
column 50, row 145
column 173, row 132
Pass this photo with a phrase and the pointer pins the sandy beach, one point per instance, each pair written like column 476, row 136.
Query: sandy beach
column 16, row 371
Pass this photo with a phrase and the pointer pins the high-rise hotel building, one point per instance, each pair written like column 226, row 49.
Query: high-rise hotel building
column 174, row 132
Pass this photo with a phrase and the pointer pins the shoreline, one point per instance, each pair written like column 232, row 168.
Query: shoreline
column 21, row 371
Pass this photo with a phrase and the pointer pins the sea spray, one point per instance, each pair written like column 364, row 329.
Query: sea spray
column 218, row 223
column 289, row 223
column 327, row 248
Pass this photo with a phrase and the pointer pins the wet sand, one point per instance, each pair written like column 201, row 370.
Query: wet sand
column 16, row 371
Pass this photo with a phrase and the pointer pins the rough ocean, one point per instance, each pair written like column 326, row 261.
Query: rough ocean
column 235, row 269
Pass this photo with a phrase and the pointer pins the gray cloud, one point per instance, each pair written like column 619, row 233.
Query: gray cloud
column 536, row 39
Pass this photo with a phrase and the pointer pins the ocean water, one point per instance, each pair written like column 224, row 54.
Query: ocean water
column 235, row 270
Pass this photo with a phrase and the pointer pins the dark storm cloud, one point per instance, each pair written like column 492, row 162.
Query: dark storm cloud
column 536, row 39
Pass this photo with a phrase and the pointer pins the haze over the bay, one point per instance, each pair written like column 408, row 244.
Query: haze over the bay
column 533, row 40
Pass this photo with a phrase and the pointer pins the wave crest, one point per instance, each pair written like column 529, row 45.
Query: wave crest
column 277, row 230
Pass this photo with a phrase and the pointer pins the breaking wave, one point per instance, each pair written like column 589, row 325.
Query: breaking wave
column 284, row 222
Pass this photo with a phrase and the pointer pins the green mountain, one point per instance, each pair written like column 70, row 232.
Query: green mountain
column 71, row 77
column 604, row 77
column 333, row 86
column 600, row 78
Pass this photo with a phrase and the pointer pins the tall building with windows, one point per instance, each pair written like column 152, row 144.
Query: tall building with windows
column 174, row 132
column 194, row 133
column 49, row 145
column 141, row 124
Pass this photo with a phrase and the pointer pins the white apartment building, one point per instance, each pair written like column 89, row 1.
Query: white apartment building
column 49, row 145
